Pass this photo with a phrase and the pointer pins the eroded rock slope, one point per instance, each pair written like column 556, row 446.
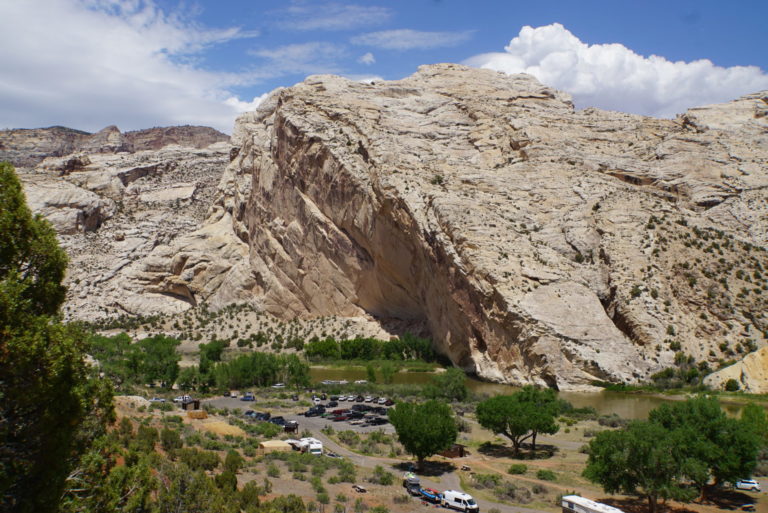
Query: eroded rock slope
column 537, row 243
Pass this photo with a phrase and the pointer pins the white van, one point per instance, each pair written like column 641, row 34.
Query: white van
column 460, row 501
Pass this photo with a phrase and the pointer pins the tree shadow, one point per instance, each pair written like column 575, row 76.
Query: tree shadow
column 543, row 451
column 725, row 498
column 431, row 468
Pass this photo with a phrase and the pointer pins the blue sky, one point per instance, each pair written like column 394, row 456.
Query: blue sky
column 140, row 63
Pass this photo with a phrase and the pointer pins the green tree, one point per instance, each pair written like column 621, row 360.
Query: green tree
column 711, row 445
column 388, row 371
column 371, row 373
column 51, row 405
column 449, row 385
column 640, row 460
column 520, row 416
column 424, row 429
column 159, row 360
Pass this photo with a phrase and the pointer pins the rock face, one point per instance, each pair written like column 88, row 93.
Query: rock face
column 536, row 243
column 28, row 147
column 112, row 205
column 751, row 373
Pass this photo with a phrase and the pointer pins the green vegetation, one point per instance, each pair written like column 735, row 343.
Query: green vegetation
column 681, row 443
column 449, row 385
column 52, row 405
column 520, row 416
column 261, row 369
column 149, row 360
column 424, row 429
column 407, row 347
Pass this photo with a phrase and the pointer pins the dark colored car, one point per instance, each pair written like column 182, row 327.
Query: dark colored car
column 332, row 404
column 377, row 421
column 334, row 398
column 355, row 415
column 358, row 407
column 280, row 421
column 260, row 416
column 294, row 397
column 248, row 397
column 339, row 418
column 389, row 402
column 359, row 399
column 323, row 397
column 249, row 413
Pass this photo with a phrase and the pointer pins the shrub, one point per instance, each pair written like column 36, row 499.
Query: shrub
column 273, row 470
column 487, row 480
column 170, row 439
column 518, row 468
column 323, row 498
column 233, row 461
column 514, row 493
column 546, row 475
column 732, row 385
column 226, row 481
column 382, row 477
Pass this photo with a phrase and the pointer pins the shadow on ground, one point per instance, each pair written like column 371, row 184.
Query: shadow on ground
column 431, row 468
column 543, row 451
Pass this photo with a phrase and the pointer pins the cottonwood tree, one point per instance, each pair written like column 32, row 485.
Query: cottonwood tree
column 424, row 429
column 520, row 416
column 640, row 460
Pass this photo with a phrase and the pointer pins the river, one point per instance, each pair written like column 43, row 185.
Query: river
column 627, row 405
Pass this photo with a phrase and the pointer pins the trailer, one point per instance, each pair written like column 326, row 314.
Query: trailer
column 431, row 495
column 577, row 504
column 311, row 445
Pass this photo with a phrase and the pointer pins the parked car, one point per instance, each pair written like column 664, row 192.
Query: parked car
column 294, row 397
column 332, row 404
column 262, row 416
column 248, row 396
column 278, row 385
column 339, row 418
column 359, row 488
column 334, row 398
column 332, row 454
column 382, row 400
column 340, row 398
column 747, row 484
column 389, row 402
column 368, row 399
column 157, row 400
column 359, row 399
column 377, row 421
column 280, row 421
column 182, row 399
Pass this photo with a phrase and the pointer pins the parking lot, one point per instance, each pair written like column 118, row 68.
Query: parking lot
column 296, row 413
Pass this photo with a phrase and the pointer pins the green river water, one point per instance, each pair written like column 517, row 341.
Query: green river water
column 627, row 405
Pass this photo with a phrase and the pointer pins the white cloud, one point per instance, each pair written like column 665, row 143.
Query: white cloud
column 611, row 76
column 304, row 58
column 407, row 39
column 91, row 63
column 367, row 59
column 332, row 16
column 240, row 106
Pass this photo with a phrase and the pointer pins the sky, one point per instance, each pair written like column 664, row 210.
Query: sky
column 87, row 64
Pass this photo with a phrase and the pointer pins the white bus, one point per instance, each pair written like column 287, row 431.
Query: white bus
column 576, row 504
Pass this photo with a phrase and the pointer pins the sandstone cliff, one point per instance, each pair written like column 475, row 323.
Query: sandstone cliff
column 113, row 198
column 537, row 243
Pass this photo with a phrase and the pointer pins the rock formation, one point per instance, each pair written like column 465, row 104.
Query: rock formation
column 536, row 243
column 113, row 198
column 751, row 373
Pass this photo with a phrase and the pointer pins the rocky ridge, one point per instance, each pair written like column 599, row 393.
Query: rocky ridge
column 113, row 198
column 536, row 243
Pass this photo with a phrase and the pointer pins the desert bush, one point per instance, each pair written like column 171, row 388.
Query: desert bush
column 518, row 468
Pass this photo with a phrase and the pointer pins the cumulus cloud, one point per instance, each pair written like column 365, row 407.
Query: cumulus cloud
column 91, row 63
column 332, row 16
column 611, row 76
column 367, row 59
column 407, row 39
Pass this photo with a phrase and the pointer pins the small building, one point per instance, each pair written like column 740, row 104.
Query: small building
column 192, row 404
column 455, row 451
column 269, row 446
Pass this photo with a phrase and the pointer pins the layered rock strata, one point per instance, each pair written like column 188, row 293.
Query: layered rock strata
column 537, row 243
